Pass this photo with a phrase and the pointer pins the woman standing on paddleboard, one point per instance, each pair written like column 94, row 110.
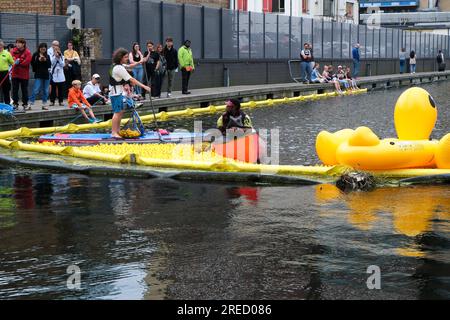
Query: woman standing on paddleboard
column 118, row 76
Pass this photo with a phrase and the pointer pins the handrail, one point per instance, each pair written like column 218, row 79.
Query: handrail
column 298, row 80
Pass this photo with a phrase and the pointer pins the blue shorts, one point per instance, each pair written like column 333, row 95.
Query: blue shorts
column 117, row 103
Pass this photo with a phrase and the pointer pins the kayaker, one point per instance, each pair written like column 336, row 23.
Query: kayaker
column 233, row 118
column 118, row 77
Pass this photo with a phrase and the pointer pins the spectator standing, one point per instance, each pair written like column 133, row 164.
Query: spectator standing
column 93, row 93
column 160, row 71
column 186, row 61
column 440, row 61
column 305, row 64
column 136, row 57
column 41, row 63
column 151, row 59
column 21, row 73
column 171, row 55
column 402, row 57
column 412, row 61
column 72, row 65
column 50, row 51
column 57, row 78
column 6, row 61
column 356, row 60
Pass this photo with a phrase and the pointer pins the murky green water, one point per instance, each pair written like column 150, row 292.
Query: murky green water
column 153, row 239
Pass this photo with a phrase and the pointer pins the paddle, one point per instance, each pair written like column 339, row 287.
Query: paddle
column 7, row 75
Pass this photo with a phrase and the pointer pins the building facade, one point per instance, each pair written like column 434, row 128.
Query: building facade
column 331, row 10
column 419, row 15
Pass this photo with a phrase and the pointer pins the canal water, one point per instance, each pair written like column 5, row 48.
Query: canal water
column 163, row 239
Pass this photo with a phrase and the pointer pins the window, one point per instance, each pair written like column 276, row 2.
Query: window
column 328, row 8
column 278, row 6
column 305, row 6
column 242, row 5
column 349, row 10
column 267, row 5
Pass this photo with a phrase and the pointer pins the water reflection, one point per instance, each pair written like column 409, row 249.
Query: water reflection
column 413, row 211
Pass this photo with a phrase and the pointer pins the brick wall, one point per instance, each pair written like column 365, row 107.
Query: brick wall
column 34, row 6
column 46, row 6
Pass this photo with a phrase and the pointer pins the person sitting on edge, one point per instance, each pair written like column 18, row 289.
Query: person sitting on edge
column 316, row 77
column 340, row 75
column 234, row 118
column 93, row 93
column 332, row 78
column 349, row 78
column 78, row 101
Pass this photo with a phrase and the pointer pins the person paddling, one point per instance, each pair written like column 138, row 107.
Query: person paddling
column 234, row 118
column 118, row 76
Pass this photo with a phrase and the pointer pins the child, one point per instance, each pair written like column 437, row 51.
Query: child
column 331, row 77
column 78, row 101
column 341, row 78
column 351, row 80
column 316, row 77
column 129, row 96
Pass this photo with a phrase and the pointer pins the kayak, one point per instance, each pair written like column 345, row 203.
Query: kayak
column 245, row 148
column 84, row 139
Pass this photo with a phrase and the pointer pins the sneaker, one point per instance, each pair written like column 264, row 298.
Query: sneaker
column 97, row 120
column 91, row 120
column 52, row 104
column 16, row 106
column 187, row 92
column 138, row 105
column 26, row 107
column 61, row 104
column 169, row 94
column 44, row 107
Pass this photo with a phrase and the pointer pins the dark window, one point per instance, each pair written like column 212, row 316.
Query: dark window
column 328, row 8
column 278, row 6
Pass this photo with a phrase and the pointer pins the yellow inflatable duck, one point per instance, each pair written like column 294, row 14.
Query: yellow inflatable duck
column 415, row 117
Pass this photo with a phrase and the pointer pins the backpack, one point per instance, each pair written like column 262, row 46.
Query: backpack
column 163, row 64
column 412, row 55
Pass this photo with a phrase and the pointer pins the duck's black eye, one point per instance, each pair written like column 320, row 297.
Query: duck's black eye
column 433, row 104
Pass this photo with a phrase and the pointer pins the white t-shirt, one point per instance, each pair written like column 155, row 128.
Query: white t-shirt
column 91, row 89
column 119, row 73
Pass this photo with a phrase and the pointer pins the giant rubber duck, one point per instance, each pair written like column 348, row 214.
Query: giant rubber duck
column 415, row 118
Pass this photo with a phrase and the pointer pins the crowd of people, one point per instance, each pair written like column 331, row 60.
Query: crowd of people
column 55, row 72
column 342, row 78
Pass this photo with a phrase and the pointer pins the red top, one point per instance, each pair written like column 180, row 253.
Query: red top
column 21, row 70
column 76, row 97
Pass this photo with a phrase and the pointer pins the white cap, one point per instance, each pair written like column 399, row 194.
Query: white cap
column 96, row 76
